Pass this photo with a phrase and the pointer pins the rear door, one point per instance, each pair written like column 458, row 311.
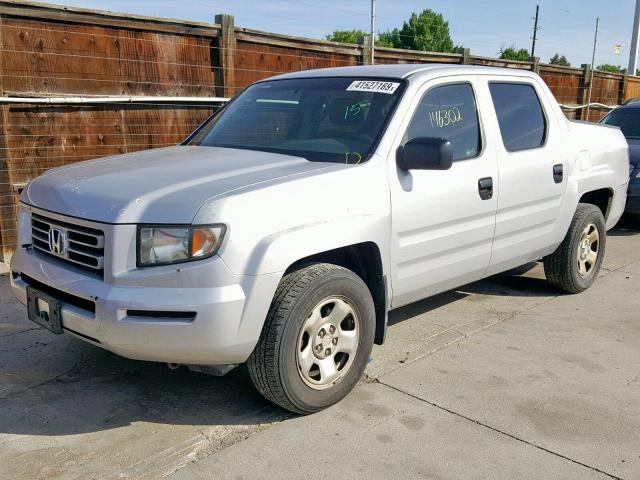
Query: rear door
column 442, row 224
column 532, row 167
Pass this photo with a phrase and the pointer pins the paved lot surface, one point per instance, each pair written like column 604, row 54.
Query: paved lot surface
column 500, row 379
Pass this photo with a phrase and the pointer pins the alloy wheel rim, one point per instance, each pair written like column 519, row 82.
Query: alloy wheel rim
column 327, row 343
column 588, row 250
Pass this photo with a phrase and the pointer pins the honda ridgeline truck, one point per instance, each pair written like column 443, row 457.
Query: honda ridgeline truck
column 288, row 225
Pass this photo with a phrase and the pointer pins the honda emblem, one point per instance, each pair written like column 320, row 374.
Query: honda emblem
column 57, row 241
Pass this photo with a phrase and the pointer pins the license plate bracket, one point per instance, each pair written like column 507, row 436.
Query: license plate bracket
column 44, row 310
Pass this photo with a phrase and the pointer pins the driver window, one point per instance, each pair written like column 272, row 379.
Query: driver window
column 449, row 112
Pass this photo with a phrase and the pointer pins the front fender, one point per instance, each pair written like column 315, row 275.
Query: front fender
column 271, row 256
column 276, row 252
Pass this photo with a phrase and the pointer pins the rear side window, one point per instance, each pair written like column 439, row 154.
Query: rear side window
column 522, row 122
column 449, row 112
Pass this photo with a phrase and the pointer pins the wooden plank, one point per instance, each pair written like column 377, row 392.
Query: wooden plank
column 41, row 58
column 584, row 89
column 535, row 65
column 466, row 56
column 8, row 231
column 94, row 60
column 307, row 44
column 294, row 39
column 633, row 88
column 227, row 54
column 255, row 62
column 401, row 51
column 366, row 44
column 623, row 89
column 55, row 13
column 560, row 69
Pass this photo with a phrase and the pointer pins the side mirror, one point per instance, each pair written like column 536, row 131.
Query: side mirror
column 425, row 153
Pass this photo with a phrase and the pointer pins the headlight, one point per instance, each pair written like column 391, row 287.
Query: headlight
column 162, row 245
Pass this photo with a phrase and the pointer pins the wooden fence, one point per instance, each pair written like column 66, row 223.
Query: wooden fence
column 49, row 51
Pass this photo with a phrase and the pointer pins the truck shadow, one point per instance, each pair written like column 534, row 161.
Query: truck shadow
column 627, row 227
column 113, row 392
column 515, row 283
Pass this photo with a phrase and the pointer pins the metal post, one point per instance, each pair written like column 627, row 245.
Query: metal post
column 373, row 31
column 635, row 37
column 535, row 32
column 593, row 67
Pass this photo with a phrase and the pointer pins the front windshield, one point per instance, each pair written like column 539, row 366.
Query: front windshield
column 628, row 119
column 320, row 119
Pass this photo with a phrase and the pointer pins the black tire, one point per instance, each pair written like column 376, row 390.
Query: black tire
column 273, row 365
column 562, row 267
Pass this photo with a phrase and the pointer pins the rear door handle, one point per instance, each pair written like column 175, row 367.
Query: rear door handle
column 485, row 188
column 558, row 173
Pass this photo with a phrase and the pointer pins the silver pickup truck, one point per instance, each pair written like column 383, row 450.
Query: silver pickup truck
column 288, row 225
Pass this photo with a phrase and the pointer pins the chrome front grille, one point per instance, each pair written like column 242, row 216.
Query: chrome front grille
column 80, row 245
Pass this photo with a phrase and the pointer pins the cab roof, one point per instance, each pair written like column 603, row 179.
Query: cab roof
column 406, row 70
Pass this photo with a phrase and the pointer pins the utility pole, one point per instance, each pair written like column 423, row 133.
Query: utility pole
column 535, row 32
column 373, row 31
column 593, row 60
column 633, row 53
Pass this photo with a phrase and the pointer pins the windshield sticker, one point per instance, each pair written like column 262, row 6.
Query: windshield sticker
column 373, row 86
column 445, row 117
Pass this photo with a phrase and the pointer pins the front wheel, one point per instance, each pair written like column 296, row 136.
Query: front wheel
column 316, row 340
column 574, row 266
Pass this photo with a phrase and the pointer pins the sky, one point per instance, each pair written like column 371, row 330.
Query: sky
column 566, row 27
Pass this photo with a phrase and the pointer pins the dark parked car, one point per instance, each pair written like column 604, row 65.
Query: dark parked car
column 627, row 117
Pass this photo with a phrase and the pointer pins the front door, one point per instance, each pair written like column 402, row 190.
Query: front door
column 443, row 221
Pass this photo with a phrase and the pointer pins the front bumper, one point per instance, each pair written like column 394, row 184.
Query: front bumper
column 225, row 328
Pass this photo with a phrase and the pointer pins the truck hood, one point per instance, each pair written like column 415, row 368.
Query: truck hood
column 166, row 185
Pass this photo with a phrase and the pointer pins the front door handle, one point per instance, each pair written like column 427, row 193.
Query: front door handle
column 558, row 173
column 485, row 188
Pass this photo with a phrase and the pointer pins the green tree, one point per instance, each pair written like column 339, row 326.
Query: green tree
column 389, row 39
column 607, row 67
column 352, row 36
column 512, row 53
column 561, row 60
column 427, row 31
column 345, row 36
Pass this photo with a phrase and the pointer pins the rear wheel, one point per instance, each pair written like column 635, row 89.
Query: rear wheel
column 574, row 266
column 316, row 340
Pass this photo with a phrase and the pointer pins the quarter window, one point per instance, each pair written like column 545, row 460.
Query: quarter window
column 520, row 116
column 449, row 112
